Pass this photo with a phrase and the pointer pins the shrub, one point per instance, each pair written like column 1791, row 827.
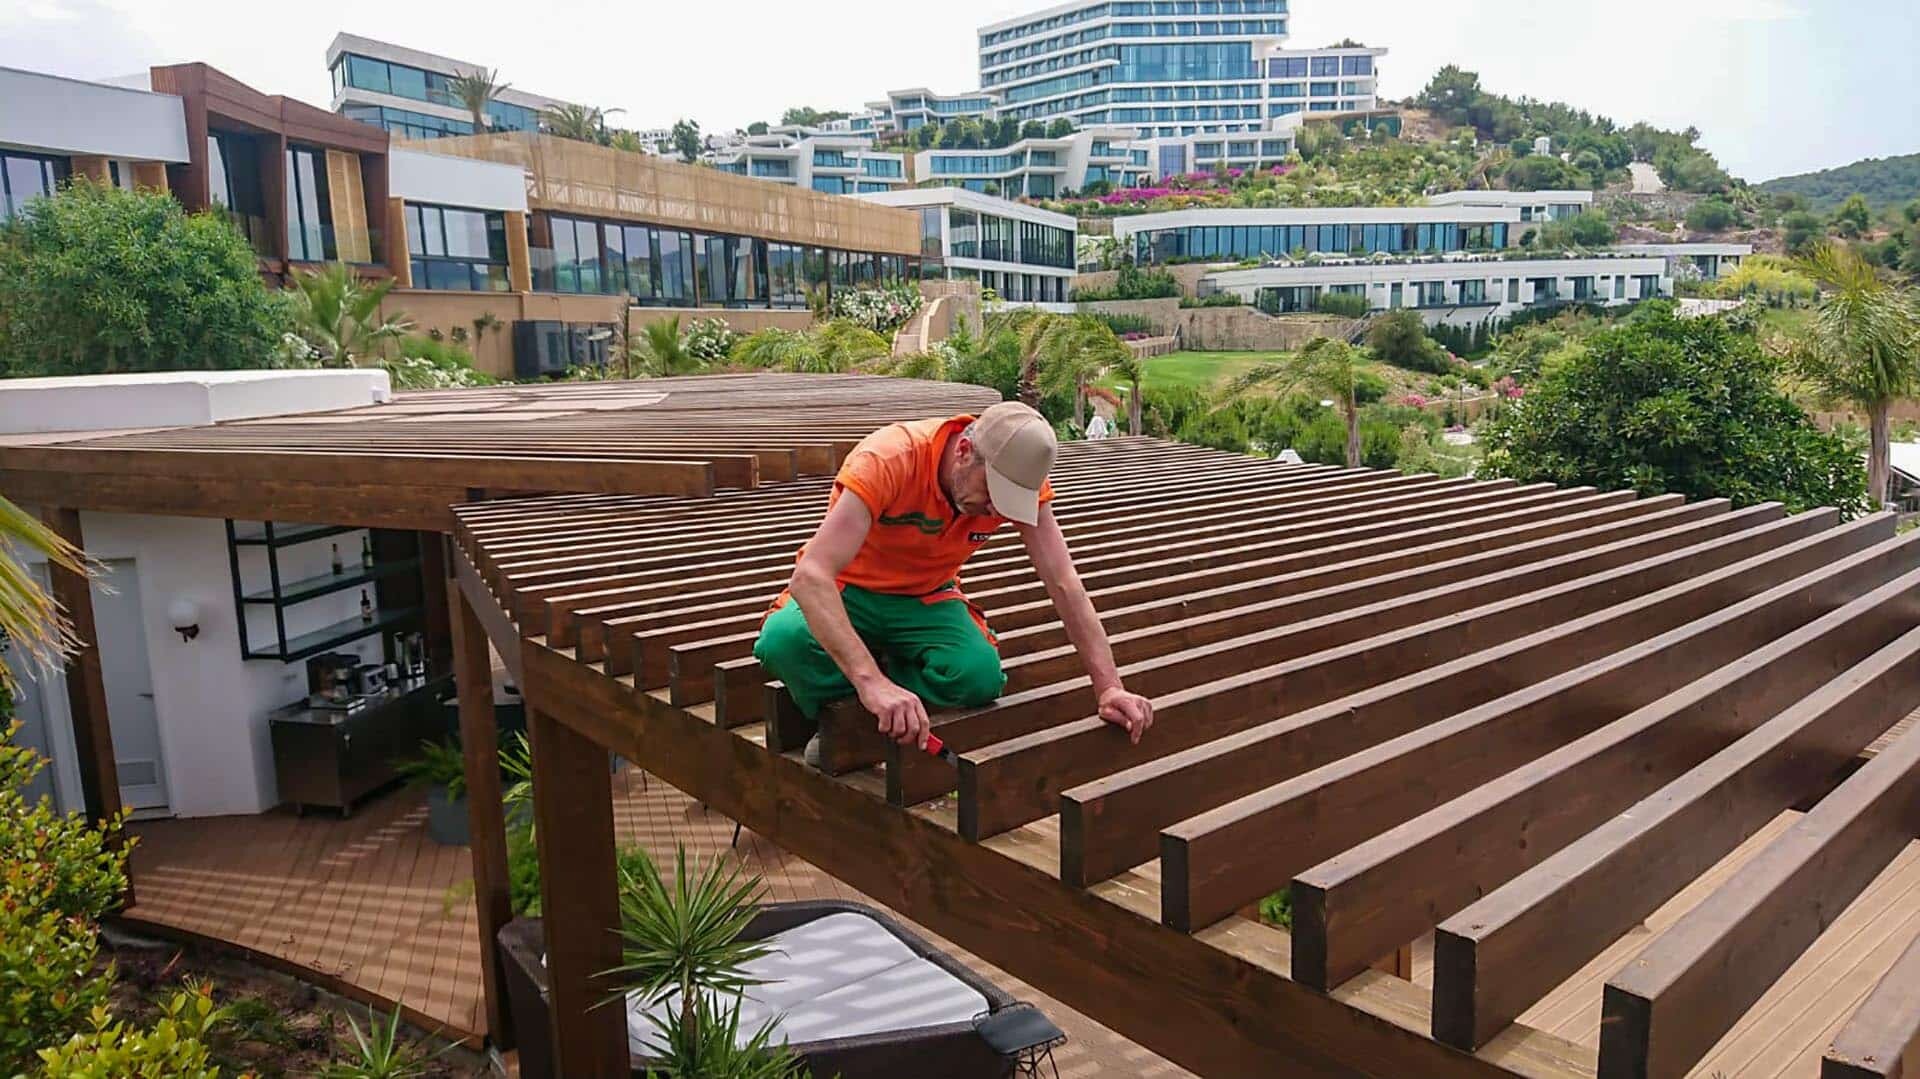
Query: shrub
column 174, row 1048
column 881, row 308
column 1218, row 299
column 96, row 280
column 1344, row 304
column 1123, row 324
column 440, row 764
column 1132, row 284
column 1400, row 338
column 710, row 339
column 427, row 364
column 1368, row 387
column 1712, row 215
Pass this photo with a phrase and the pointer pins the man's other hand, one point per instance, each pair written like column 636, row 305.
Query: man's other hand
column 1130, row 711
column 902, row 717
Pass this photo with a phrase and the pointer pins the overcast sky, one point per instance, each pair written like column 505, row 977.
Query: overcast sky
column 1776, row 86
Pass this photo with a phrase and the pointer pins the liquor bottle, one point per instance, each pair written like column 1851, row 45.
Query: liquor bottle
column 337, row 567
column 366, row 607
column 366, row 552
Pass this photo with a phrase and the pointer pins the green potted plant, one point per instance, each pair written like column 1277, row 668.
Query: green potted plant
column 442, row 767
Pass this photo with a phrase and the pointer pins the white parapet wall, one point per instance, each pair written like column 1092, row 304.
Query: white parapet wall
column 51, row 114
column 80, row 403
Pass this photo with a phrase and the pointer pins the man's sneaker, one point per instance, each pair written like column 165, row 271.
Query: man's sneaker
column 813, row 752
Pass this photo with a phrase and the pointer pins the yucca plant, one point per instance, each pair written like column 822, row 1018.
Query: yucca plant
column 684, row 939
column 378, row 1052
column 710, row 1048
column 338, row 313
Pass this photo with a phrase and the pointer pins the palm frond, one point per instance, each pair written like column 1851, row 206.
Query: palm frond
column 31, row 620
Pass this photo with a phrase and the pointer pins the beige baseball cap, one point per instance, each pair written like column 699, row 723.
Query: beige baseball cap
column 1018, row 447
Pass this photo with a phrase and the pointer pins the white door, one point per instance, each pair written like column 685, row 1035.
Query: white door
column 129, row 681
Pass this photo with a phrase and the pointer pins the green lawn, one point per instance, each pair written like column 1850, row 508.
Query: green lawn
column 1200, row 370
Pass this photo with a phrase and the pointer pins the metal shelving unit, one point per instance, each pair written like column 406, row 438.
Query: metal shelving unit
column 281, row 595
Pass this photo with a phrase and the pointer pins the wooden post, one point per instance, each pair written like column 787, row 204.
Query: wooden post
column 519, row 264
column 399, row 258
column 486, row 819
column 86, row 685
column 573, row 821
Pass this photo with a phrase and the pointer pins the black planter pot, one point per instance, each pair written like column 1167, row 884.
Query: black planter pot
column 447, row 818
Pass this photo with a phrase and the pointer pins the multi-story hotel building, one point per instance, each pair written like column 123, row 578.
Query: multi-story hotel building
column 830, row 163
column 1023, row 253
column 407, row 91
column 1169, row 67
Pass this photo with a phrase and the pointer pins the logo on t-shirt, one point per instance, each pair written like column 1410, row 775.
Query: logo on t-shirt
column 979, row 537
column 931, row 526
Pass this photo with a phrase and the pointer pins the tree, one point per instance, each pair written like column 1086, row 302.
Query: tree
column 475, row 92
column 1541, row 172
column 925, row 135
column 95, row 280
column 1033, row 129
column 579, row 122
column 1800, row 230
column 1400, row 338
column 686, row 139
column 1659, row 404
column 807, row 116
column 1325, row 366
column 1588, row 229
column 951, row 133
column 758, row 127
column 1854, row 216
column 1451, row 95
column 1060, row 128
column 1862, row 344
column 1085, row 349
column 1712, row 215
column 337, row 313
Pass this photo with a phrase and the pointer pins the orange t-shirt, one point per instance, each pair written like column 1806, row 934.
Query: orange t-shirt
column 918, row 542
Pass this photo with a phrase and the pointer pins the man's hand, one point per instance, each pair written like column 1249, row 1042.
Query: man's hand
column 902, row 716
column 1128, row 710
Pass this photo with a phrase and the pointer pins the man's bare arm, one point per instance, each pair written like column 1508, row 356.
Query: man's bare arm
column 814, row 586
column 1051, row 559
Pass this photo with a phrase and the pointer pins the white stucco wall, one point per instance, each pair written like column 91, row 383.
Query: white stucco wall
column 211, row 704
column 179, row 398
column 456, row 181
column 68, row 116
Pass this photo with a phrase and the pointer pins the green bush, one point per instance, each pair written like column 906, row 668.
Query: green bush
column 1344, row 304
column 1218, row 299
column 1400, row 338
column 1368, row 387
column 97, row 280
column 58, row 876
column 1131, row 283
column 1121, row 323
column 427, row 364
column 440, row 764
column 711, row 339
column 1712, row 215
column 174, row 1048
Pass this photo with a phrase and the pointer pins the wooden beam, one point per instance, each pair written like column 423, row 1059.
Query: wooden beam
column 1667, row 1007
column 579, row 894
column 1111, row 823
column 1216, row 862
column 383, row 506
column 502, row 632
column 486, row 819
column 1212, row 1011
column 1493, row 959
column 1492, row 832
column 86, row 685
column 1882, row 1040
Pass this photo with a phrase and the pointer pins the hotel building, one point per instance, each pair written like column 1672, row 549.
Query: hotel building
column 830, row 163
column 1231, row 235
column 408, row 91
column 1023, row 253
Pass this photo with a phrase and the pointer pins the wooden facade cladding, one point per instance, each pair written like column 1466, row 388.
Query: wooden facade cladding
column 1520, row 716
column 573, row 177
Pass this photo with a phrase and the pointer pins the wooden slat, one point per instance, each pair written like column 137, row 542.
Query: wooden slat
column 1229, row 856
column 1458, row 851
column 1882, row 1040
column 1667, row 1007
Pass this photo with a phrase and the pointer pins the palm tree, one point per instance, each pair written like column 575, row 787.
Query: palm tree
column 1077, row 352
column 31, row 621
column 476, row 92
column 1133, row 369
column 1862, row 344
column 575, row 122
column 662, row 351
column 338, row 312
column 1325, row 366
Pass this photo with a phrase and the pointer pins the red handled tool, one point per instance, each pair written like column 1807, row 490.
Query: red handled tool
column 937, row 748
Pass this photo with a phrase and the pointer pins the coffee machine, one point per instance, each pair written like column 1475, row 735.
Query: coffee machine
column 330, row 680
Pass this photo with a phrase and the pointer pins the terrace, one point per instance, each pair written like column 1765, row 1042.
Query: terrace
column 1562, row 782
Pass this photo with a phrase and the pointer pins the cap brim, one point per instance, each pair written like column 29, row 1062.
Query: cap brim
column 1012, row 501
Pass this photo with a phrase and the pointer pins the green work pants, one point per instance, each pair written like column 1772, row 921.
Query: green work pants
column 934, row 650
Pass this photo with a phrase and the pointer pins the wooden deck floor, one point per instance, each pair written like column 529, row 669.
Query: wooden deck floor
column 374, row 903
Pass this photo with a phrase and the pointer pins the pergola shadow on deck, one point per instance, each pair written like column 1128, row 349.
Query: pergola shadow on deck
column 1519, row 719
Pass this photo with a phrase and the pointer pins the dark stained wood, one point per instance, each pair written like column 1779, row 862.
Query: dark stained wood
column 1501, row 827
column 487, row 609
column 486, row 819
column 579, row 893
column 1109, row 824
column 1882, row 1040
column 1215, row 862
column 419, row 508
column 86, row 685
column 1674, row 1000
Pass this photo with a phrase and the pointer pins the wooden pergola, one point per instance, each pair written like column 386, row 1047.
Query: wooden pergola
column 1517, row 717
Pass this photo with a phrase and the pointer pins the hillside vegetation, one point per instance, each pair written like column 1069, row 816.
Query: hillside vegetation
column 1883, row 181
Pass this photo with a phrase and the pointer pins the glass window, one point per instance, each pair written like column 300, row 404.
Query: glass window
column 407, row 81
column 1356, row 65
column 24, row 177
column 309, row 211
column 368, row 74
